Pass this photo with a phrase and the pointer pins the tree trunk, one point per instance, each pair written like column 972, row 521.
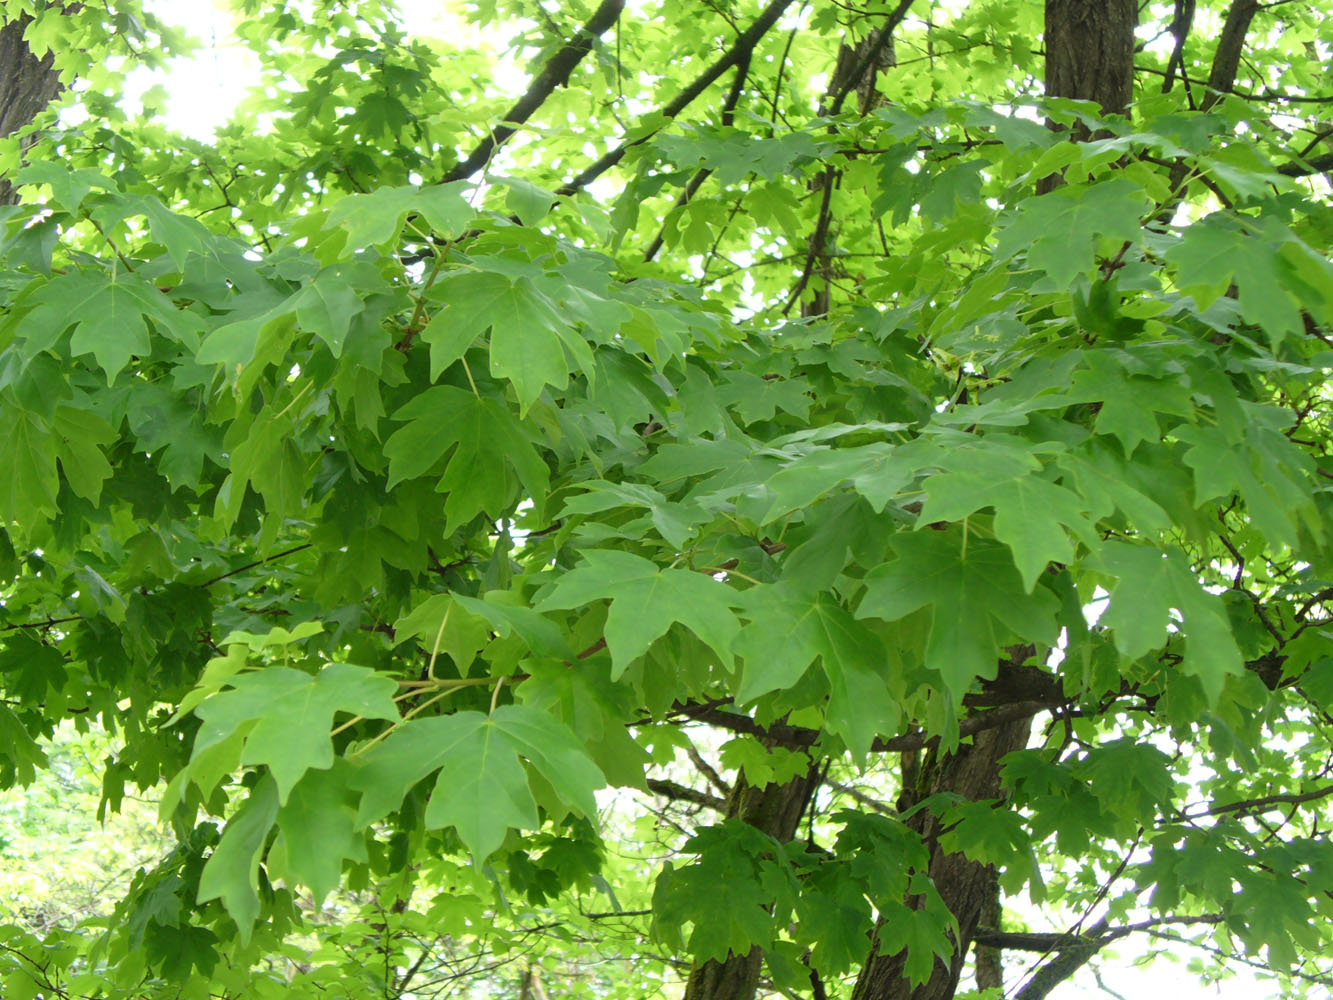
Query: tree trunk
column 989, row 961
column 1090, row 53
column 965, row 886
column 775, row 810
column 1089, row 56
column 27, row 86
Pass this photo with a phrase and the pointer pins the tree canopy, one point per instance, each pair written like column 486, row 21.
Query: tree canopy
column 807, row 499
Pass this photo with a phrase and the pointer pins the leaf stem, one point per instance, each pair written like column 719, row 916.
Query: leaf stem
column 467, row 370
column 435, row 649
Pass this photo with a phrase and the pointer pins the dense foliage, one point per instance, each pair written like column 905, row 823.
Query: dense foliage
column 790, row 513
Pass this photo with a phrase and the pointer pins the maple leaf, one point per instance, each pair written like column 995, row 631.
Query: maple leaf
column 482, row 789
column 1031, row 513
column 975, row 595
column 285, row 715
column 317, row 830
column 112, row 315
column 645, row 601
column 231, row 873
column 1151, row 585
column 529, row 333
column 789, row 630
column 1057, row 230
column 1217, row 250
column 376, row 218
column 476, row 433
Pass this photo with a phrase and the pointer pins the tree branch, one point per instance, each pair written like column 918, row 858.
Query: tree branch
column 796, row 737
column 1230, row 46
column 683, row 793
column 707, row 770
column 1180, row 30
column 1070, row 952
column 554, row 74
column 1305, row 167
column 1057, row 941
column 1262, row 804
column 258, row 562
column 740, row 50
column 871, row 56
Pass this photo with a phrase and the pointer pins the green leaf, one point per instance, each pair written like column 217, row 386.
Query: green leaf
column 440, row 622
column 529, row 334
column 960, row 579
column 645, row 602
column 376, row 219
column 29, row 486
column 275, row 637
column 540, row 634
column 877, row 471
column 526, row 200
column 482, row 789
column 1058, row 229
column 1217, row 250
column 326, row 306
column 270, row 460
column 1032, row 515
column 20, row 756
column 286, row 715
column 80, row 437
column 674, row 522
column 112, row 315
column 317, row 830
column 231, row 873
column 476, row 433
column 180, row 234
column 68, row 187
column 922, row 934
column 788, row 629
column 1157, row 590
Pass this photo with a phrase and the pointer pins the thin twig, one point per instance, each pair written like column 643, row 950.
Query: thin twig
column 554, row 74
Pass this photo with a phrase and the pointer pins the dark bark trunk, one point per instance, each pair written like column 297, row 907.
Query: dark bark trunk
column 965, row 886
column 1090, row 52
column 27, row 86
column 775, row 810
column 1230, row 47
column 1089, row 57
column 989, row 961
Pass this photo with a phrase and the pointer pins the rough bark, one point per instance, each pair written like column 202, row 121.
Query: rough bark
column 1090, row 53
column 775, row 810
column 965, row 886
column 989, row 961
column 1089, row 57
column 1230, row 47
column 27, row 86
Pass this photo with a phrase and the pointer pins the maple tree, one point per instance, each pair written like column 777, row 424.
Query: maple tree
column 819, row 500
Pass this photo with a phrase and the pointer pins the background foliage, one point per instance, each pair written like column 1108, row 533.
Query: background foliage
column 723, row 527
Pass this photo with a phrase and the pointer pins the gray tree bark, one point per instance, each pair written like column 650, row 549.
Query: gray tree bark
column 965, row 886
column 775, row 810
column 27, row 86
column 1090, row 53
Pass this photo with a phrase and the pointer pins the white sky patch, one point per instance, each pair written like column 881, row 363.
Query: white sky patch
column 204, row 89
